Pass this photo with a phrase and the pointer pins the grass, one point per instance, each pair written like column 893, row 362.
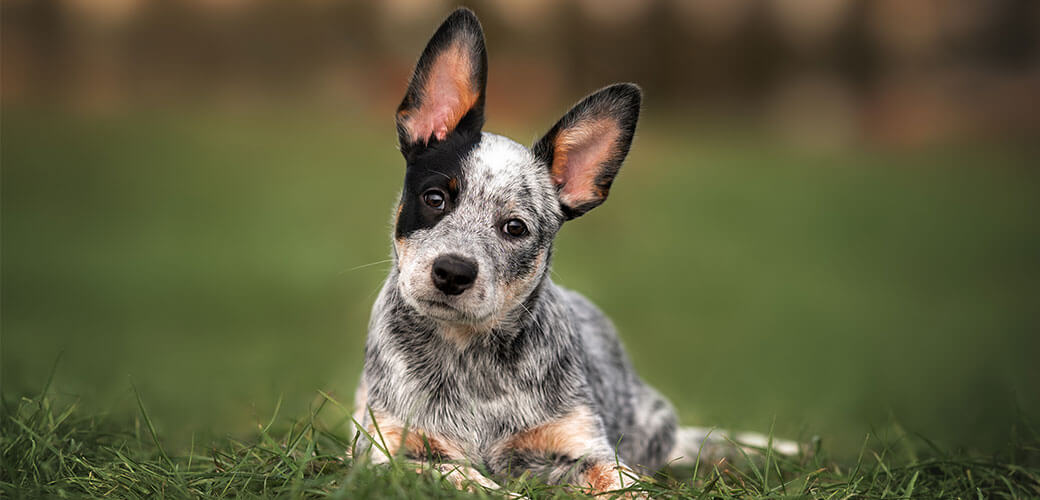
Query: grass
column 53, row 449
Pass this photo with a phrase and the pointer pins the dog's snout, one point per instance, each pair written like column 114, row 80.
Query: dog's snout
column 453, row 274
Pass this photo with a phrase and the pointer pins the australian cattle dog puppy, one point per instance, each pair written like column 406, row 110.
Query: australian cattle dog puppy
column 474, row 356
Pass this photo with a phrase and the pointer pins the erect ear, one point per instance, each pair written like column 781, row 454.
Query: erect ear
column 584, row 150
column 446, row 94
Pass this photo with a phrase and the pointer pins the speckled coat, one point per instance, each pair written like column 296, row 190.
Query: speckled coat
column 474, row 357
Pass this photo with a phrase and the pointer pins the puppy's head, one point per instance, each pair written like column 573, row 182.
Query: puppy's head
column 478, row 212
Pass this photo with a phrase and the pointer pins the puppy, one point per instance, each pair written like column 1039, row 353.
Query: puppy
column 474, row 356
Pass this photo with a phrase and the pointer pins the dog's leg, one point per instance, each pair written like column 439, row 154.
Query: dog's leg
column 392, row 438
column 596, row 475
column 650, row 438
column 710, row 445
column 569, row 450
column 465, row 477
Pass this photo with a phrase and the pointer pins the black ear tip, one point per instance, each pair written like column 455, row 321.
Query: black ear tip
column 463, row 12
column 463, row 18
column 627, row 91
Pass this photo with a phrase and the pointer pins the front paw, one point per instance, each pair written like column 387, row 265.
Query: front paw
column 611, row 480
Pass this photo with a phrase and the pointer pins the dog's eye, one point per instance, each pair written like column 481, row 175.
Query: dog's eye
column 514, row 227
column 434, row 198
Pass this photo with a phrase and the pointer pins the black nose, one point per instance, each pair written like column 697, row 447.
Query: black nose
column 453, row 274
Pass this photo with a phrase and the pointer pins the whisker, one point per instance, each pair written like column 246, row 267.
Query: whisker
column 446, row 176
column 534, row 321
column 529, row 313
column 370, row 264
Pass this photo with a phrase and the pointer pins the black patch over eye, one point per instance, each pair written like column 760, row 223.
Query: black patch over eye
column 434, row 198
column 514, row 227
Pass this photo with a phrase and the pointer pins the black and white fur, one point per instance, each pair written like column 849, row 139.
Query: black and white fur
column 473, row 354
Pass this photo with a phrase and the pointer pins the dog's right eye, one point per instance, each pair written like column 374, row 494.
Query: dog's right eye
column 434, row 198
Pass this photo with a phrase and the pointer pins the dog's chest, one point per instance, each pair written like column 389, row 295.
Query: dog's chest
column 477, row 395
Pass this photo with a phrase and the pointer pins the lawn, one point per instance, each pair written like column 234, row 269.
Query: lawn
column 52, row 449
column 223, row 264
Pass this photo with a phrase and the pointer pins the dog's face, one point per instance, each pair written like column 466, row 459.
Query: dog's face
column 478, row 212
column 474, row 230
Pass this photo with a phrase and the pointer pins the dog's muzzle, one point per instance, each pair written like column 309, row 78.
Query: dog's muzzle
column 453, row 274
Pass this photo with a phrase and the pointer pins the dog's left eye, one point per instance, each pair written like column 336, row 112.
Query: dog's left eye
column 434, row 198
column 514, row 227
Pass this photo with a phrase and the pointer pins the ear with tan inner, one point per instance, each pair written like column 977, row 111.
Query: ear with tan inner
column 585, row 149
column 446, row 93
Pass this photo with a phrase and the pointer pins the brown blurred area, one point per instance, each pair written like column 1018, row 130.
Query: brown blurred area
column 891, row 72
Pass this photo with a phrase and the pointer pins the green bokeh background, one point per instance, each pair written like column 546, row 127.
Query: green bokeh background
column 220, row 261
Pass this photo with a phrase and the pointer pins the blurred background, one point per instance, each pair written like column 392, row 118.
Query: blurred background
column 828, row 221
